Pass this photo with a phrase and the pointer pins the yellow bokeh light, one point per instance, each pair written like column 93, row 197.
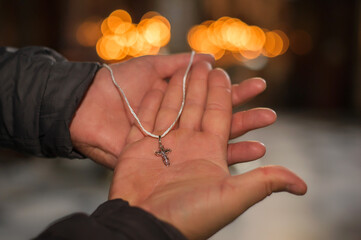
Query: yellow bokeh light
column 285, row 41
column 255, row 40
column 199, row 41
column 119, row 22
column 122, row 38
column 139, row 47
column 216, row 33
column 113, row 22
column 273, row 46
column 112, row 47
column 237, row 35
column 196, row 35
column 233, row 35
column 131, row 35
column 155, row 32
column 163, row 20
column 123, row 15
column 105, row 28
column 149, row 15
column 98, row 48
column 217, row 54
column 250, row 54
column 121, row 28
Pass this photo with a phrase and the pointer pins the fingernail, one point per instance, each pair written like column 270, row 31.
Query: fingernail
column 296, row 189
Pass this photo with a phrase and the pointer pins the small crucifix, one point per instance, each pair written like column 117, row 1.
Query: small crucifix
column 162, row 152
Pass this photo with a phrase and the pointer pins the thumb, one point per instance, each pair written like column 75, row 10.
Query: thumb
column 237, row 194
column 257, row 184
column 167, row 65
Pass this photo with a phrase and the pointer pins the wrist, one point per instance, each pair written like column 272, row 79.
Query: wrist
column 89, row 127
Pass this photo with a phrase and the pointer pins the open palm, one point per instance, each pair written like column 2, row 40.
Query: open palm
column 102, row 123
column 196, row 193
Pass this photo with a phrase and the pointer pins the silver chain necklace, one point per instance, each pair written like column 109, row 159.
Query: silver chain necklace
column 162, row 151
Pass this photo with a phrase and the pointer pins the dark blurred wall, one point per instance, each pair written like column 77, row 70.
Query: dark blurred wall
column 325, row 78
column 321, row 70
column 357, row 90
column 37, row 22
column 53, row 23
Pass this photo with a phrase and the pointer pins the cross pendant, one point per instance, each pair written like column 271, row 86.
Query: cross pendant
column 162, row 152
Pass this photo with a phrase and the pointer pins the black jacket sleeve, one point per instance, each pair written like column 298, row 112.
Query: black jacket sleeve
column 114, row 219
column 39, row 93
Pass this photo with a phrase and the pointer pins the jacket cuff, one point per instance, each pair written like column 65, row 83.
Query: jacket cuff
column 66, row 86
column 39, row 94
column 118, row 215
column 113, row 220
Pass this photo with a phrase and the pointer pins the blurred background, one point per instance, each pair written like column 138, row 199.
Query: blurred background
column 308, row 51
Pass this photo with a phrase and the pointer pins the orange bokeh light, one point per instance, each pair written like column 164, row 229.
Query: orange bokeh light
column 149, row 15
column 105, row 28
column 285, row 41
column 233, row 35
column 123, row 15
column 195, row 36
column 199, row 41
column 273, row 46
column 110, row 47
column 256, row 39
column 155, row 31
column 248, row 54
column 122, row 38
column 236, row 35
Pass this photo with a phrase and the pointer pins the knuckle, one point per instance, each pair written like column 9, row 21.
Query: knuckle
column 216, row 106
column 266, row 179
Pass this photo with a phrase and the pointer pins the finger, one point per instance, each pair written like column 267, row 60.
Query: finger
column 167, row 65
column 238, row 193
column 247, row 89
column 218, row 112
column 196, row 97
column 147, row 114
column 245, row 121
column 245, row 151
column 98, row 155
column 171, row 103
column 247, row 189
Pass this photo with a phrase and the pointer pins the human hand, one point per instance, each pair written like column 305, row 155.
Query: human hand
column 196, row 193
column 102, row 122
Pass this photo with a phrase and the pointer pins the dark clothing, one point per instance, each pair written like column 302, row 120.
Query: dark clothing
column 112, row 220
column 39, row 93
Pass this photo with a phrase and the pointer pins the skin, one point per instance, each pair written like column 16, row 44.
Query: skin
column 102, row 124
column 196, row 193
